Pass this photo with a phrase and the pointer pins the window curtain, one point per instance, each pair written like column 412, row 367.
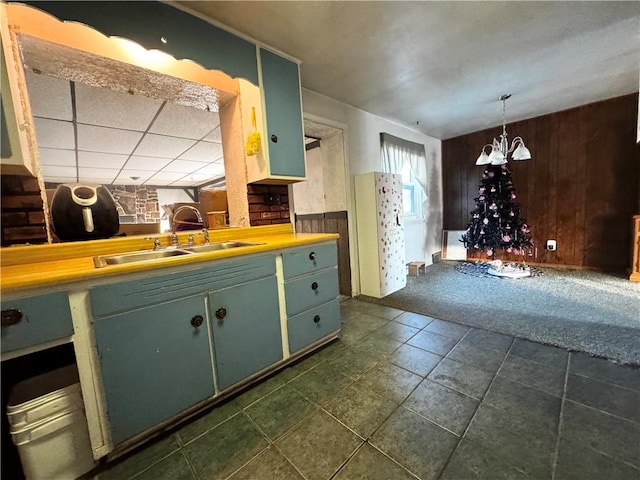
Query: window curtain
column 397, row 151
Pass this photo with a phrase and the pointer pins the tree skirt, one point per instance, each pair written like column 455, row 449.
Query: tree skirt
column 481, row 269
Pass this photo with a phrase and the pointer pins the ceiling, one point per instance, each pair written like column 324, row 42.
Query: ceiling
column 96, row 135
column 440, row 67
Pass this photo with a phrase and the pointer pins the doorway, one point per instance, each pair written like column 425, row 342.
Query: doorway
column 320, row 202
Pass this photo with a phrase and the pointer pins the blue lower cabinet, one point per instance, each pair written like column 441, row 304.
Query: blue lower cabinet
column 311, row 290
column 312, row 325
column 31, row 321
column 155, row 363
column 246, row 330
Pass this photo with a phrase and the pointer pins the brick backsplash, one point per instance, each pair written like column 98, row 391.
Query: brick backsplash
column 22, row 211
column 260, row 213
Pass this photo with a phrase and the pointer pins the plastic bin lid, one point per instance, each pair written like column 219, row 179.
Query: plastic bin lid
column 43, row 384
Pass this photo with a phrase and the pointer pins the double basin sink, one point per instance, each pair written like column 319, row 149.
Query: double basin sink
column 144, row 255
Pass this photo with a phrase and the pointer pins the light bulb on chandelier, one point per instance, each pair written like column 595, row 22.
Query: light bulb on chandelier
column 499, row 150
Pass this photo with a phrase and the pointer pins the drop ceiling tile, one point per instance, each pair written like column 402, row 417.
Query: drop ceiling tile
column 141, row 176
column 186, row 122
column 54, row 133
column 50, row 97
column 185, row 183
column 98, row 175
column 213, row 170
column 58, row 171
column 57, row 156
column 203, row 152
column 163, row 147
column 101, row 160
column 182, row 166
column 146, row 163
column 214, row 136
column 61, row 179
column 109, row 108
column 161, row 178
column 107, row 140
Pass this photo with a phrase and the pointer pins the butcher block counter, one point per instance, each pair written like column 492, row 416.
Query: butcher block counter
column 35, row 266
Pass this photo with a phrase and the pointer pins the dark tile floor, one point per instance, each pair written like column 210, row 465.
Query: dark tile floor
column 404, row 396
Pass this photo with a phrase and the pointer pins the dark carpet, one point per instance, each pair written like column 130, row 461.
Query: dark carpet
column 591, row 312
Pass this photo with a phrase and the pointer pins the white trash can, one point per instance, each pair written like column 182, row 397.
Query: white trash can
column 49, row 427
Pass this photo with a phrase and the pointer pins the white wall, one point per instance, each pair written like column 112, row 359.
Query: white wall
column 362, row 138
column 309, row 195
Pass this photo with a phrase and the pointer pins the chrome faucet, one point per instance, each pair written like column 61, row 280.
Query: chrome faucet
column 156, row 242
column 174, row 235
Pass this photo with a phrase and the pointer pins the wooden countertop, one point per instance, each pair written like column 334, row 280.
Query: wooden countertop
column 35, row 266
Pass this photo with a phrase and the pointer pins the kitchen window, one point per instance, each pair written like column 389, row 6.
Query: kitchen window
column 408, row 159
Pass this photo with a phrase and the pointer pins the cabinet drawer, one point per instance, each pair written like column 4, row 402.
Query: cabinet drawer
column 148, row 291
column 311, row 290
column 311, row 325
column 38, row 320
column 309, row 259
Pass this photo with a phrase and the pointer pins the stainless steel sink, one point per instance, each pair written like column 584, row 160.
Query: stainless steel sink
column 132, row 257
column 212, row 247
column 119, row 259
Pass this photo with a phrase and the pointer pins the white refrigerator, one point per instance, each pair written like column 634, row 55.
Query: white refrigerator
column 379, row 220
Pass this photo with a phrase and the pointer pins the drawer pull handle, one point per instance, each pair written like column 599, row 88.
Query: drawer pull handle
column 274, row 138
column 316, row 319
column 221, row 313
column 312, row 256
column 196, row 321
column 314, row 286
column 11, row 317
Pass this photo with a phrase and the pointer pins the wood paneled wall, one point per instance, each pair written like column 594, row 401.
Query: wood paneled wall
column 331, row 222
column 581, row 187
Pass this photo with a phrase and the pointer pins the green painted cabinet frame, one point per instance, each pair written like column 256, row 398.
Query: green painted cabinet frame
column 146, row 23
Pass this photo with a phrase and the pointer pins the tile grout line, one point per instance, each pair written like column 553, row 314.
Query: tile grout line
column 554, row 465
column 462, row 435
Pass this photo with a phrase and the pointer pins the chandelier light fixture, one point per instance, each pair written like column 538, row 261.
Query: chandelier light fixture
column 500, row 149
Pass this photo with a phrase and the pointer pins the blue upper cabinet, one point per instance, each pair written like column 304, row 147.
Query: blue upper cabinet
column 147, row 22
column 281, row 90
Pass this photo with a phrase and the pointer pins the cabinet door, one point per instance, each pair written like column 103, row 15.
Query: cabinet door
column 281, row 86
column 155, row 363
column 246, row 329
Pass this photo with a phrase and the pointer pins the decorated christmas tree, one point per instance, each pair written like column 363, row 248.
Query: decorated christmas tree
column 495, row 222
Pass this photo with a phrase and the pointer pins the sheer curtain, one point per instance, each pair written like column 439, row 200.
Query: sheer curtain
column 397, row 151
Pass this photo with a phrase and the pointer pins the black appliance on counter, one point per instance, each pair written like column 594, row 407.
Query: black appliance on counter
column 84, row 212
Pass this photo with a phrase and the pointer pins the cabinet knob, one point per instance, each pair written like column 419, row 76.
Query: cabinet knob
column 221, row 313
column 312, row 256
column 274, row 138
column 11, row 317
column 196, row 321
column 316, row 319
column 314, row 286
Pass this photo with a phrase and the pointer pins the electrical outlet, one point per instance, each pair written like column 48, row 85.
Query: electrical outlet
column 551, row 245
